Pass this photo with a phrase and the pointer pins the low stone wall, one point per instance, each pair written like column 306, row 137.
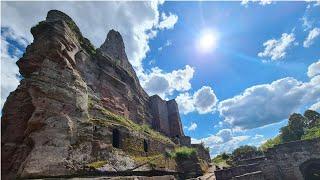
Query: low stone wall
column 250, row 176
column 185, row 141
column 191, row 167
column 251, row 160
column 229, row 173
column 284, row 160
column 202, row 152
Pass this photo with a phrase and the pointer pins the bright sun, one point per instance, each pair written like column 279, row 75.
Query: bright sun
column 207, row 41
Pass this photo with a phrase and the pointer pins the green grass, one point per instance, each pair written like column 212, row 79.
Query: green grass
column 181, row 153
column 97, row 164
column 110, row 117
column 145, row 159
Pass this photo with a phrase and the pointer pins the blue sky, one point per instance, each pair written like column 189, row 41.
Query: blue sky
column 262, row 64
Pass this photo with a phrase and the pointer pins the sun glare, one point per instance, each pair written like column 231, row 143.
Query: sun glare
column 207, row 41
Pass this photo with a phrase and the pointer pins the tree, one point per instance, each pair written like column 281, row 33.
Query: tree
column 313, row 117
column 295, row 128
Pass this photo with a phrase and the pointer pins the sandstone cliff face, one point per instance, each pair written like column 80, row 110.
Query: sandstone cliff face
column 60, row 117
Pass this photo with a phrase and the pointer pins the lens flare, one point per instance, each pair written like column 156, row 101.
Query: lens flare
column 207, row 41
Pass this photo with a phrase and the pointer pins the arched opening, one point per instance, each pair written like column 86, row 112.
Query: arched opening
column 116, row 138
column 311, row 169
column 145, row 146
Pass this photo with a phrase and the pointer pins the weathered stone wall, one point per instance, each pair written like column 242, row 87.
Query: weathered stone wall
column 174, row 119
column 130, row 142
column 284, row 160
column 202, row 152
column 191, row 167
column 185, row 141
column 166, row 117
column 160, row 115
column 229, row 173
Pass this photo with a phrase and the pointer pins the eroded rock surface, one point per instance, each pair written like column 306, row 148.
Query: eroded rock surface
column 78, row 107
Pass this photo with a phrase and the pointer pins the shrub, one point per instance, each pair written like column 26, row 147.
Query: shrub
column 312, row 133
column 270, row 143
column 184, row 152
column 243, row 150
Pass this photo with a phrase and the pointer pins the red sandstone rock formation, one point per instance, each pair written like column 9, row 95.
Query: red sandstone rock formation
column 47, row 127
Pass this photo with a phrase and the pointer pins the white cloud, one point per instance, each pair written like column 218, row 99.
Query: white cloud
column 276, row 48
column 315, row 106
column 163, row 84
column 265, row 2
column 245, row 3
column 306, row 23
column 185, row 103
column 257, row 136
column 9, row 69
column 203, row 101
column 167, row 44
column 261, row 2
column 313, row 34
column 157, row 85
column 192, row 127
column 137, row 22
column 265, row 104
column 225, row 135
column 168, row 22
column 314, row 69
column 222, row 141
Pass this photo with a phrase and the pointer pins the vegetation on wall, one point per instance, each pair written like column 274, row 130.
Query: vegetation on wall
column 222, row 160
column 181, row 153
column 109, row 117
column 97, row 164
column 300, row 127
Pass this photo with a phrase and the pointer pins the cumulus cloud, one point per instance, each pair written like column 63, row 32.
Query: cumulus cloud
column 225, row 135
column 9, row 69
column 193, row 126
column 159, row 82
column 168, row 22
column 222, row 141
column 203, row 101
column 314, row 69
column 265, row 104
column 313, row 34
column 137, row 22
column 276, row 48
column 315, row 106
column 185, row 103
